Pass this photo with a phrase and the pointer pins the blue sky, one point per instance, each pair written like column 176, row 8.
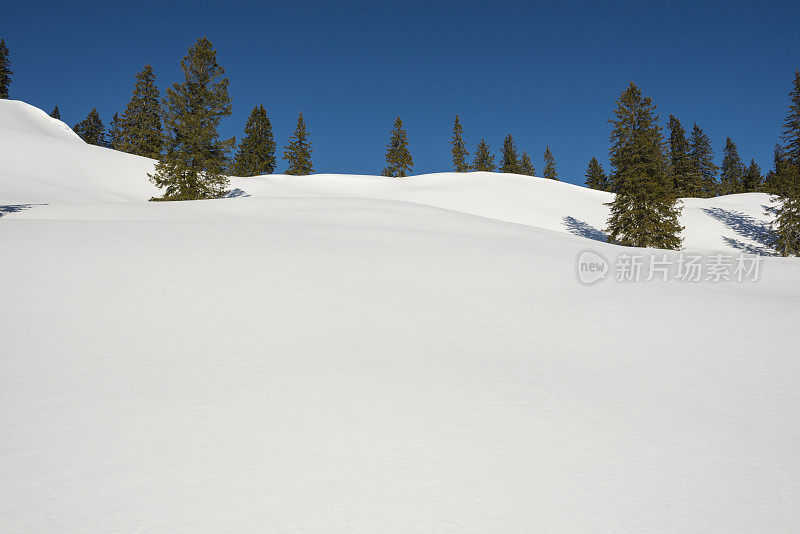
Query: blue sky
column 547, row 73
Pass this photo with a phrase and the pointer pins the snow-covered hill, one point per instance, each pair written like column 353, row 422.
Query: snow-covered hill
column 362, row 354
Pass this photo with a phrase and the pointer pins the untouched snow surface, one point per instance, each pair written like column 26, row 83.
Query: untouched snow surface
column 360, row 354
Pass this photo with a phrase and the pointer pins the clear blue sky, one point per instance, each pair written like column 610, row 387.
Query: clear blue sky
column 547, row 73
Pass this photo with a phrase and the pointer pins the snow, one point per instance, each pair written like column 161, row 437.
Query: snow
column 365, row 354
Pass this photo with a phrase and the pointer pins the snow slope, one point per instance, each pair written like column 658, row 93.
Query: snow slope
column 360, row 359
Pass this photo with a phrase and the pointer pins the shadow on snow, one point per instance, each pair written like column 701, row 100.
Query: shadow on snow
column 583, row 229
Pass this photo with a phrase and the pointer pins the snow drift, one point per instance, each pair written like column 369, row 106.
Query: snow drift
column 359, row 354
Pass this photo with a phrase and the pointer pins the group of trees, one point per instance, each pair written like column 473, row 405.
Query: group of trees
column 691, row 168
column 647, row 172
column 510, row 160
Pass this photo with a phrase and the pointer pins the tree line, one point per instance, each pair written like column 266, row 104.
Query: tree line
column 648, row 173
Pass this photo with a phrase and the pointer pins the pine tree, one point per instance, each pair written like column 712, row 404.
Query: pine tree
column 680, row 167
column 509, row 161
column 703, row 174
column 550, row 165
column 786, row 208
column 194, row 157
column 596, row 176
column 91, row 129
column 779, row 161
column 298, row 151
column 256, row 153
column 56, row 114
column 732, row 175
column 752, row 178
column 526, row 165
column 484, row 159
column 115, row 133
column 5, row 70
column 791, row 132
column 460, row 153
column 141, row 131
column 785, row 184
column 398, row 157
column 645, row 211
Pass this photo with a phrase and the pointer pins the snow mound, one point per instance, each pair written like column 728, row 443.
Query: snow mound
column 43, row 161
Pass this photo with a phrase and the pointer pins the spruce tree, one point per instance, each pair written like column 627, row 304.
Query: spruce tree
column 752, row 178
column 732, row 175
column 703, row 171
column 778, row 163
column 256, row 153
column 645, row 211
column 56, row 114
column 596, row 176
column 550, row 165
column 459, row 152
column 398, row 158
column 786, row 209
column 5, row 70
column 115, row 133
column 484, row 159
column 509, row 161
column 680, row 167
column 194, row 158
column 141, row 129
column 298, row 151
column 785, row 184
column 91, row 129
column 791, row 132
column 526, row 165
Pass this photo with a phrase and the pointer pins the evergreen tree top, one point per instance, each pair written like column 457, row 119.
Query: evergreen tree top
column 509, row 161
column 484, row 159
column 791, row 125
column 91, row 129
column 256, row 153
column 399, row 162
column 550, row 164
column 459, row 151
column 56, row 114
column 298, row 151
column 5, row 70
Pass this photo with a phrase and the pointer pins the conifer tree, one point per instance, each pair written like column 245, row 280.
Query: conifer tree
column 550, row 165
column 5, row 70
column 786, row 208
column 91, row 129
column 752, row 178
column 484, row 159
column 141, row 129
column 398, row 158
column 56, row 114
column 785, row 184
column 115, row 133
column 791, row 132
column 526, row 165
column 298, row 151
column 509, row 161
column 194, row 158
column 732, row 175
column 459, row 152
column 778, row 163
column 703, row 177
column 645, row 211
column 596, row 176
column 680, row 167
column 256, row 153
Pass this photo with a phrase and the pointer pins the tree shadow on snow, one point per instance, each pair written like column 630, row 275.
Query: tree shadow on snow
column 583, row 229
column 236, row 193
column 747, row 227
column 14, row 208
